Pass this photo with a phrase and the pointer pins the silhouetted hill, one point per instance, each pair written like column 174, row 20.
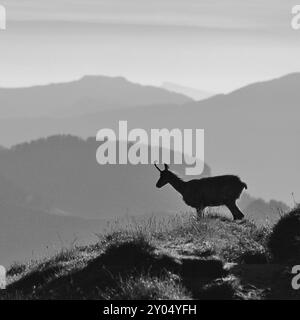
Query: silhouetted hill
column 174, row 258
column 45, row 183
column 271, row 210
column 10, row 193
column 252, row 131
column 27, row 233
column 262, row 211
column 63, row 170
column 60, row 174
column 28, row 230
column 89, row 94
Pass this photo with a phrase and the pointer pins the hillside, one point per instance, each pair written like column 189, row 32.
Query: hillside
column 27, row 233
column 53, row 192
column 235, row 125
column 174, row 258
column 60, row 175
column 45, row 184
column 86, row 95
column 64, row 172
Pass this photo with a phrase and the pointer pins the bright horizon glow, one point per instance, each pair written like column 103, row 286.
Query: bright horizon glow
column 215, row 46
column 135, row 81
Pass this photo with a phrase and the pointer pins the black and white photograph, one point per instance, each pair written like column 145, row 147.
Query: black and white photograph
column 149, row 150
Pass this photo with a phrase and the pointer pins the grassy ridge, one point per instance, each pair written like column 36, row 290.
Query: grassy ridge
column 161, row 258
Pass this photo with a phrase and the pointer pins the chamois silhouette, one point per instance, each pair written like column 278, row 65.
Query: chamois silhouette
column 206, row 192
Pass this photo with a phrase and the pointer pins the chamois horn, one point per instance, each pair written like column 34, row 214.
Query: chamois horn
column 155, row 165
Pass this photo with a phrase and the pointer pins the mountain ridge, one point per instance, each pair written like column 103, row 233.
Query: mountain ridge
column 92, row 93
column 235, row 125
column 193, row 93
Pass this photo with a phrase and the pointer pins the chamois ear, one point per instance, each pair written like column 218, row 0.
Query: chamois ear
column 166, row 167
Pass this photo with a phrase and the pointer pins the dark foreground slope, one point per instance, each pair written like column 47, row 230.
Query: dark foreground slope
column 174, row 258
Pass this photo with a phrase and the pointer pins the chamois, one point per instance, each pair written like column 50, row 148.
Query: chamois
column 206, row 192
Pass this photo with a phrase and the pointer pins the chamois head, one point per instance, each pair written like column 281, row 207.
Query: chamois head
column 165, row 176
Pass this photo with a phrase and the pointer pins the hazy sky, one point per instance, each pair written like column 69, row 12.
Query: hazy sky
column 215, row 45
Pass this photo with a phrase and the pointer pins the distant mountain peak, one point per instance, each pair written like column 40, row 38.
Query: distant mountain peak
column 89, row 94
column 102, row 78
column 193, row 93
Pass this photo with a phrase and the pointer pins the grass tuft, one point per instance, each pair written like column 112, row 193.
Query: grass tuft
column 144, row 287
column 284, row 240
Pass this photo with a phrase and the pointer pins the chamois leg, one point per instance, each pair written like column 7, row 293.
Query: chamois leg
column 235, row 211
column 200, row 212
